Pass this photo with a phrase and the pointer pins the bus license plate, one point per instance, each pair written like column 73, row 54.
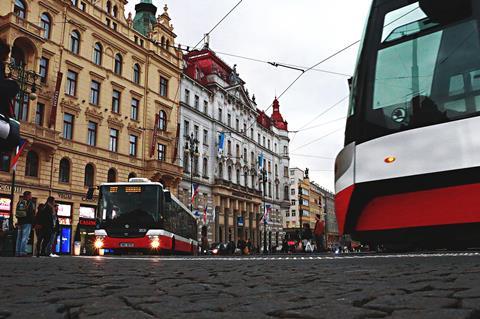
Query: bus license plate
column 126, row 244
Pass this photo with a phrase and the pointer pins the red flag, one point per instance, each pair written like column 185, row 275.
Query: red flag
column 194, row 192
column 20, row 149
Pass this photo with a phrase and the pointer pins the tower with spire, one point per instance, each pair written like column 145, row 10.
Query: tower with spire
column 144, row 20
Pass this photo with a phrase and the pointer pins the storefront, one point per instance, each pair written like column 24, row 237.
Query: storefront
column 64, row 237
column 85, row 233
column 4, row 211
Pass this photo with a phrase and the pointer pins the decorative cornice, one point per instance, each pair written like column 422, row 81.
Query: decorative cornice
column 132, row 127
column 92, row 113
column 96, row 75
column 70, row 105
column 115, row 122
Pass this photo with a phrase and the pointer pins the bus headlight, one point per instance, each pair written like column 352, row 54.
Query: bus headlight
column 98, row 243
column 155, row 243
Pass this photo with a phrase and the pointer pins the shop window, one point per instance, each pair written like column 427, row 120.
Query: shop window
column 112, row 175
column 64, row 174
column 89, row 175
column 31, row 167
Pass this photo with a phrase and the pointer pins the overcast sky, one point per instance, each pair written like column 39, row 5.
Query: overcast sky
column 299, row 32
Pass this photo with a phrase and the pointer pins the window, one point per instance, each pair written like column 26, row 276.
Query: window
column 285, row 150
column 195, row 166
column 112, row 175
column 39, row 113
column 276, row 170
column 74, row 2
column 229, row 120
column 220, row 170
column 64, row 173
column 116, row 101
column 67, row 126
column 294, row 202
column 238, row 176
column 109, row 7
column 134, row 109
column 229, row 172
column 205, row 137
column 31, row 167
column 83, row 6
column 292, row 191
column 268, row 144
column 275, row 147
column 89, row 175
column 71, row 86
column 285, row 171
column 118, row 64
column 187, row 97
column 163, row 86
column 97, row 53
column 263, row 141
column 92, row 133
column 229, row 148
column 245, row 178
column 162, row 122
column 21, row 109
column 294, row 213
column 251, row 133
column 196, row 102
column 252, row 158
column 4, row 162
column 161, row 152
column 205, row 107
column 258, row 135
column 20, row 9
column 237, row 124
column 276, row 191
column 269, row 189
column 133, row 145
column 75, row 42
column 195, row 132
column 285, row 193
column 205, row 167
column 186, row 158
column 115, row 11
column 245, row 128
column 136, row 73
column 94, row 92
column 46, row 25
column 43, row 71
column 186, row 128
column 113, row 144
column 237, row 151
column 220, row 115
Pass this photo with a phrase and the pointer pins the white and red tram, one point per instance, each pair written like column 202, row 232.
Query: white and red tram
column 142, row 216
column 409, row 173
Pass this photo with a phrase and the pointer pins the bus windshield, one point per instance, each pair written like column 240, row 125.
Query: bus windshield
column 425, row 73
column 132, row 204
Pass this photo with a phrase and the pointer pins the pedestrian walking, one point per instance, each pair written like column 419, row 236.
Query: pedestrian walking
column 53, row 238
column 319, row 232
column 44, row 226
column 24, row 213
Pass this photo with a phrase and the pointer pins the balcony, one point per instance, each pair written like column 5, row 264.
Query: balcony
column 26, row 26
column 41, row 137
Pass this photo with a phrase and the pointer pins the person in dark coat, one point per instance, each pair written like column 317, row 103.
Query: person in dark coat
column 24, row 213
column 44, row 225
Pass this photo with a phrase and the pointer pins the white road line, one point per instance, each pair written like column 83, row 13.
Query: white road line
column 277, row 258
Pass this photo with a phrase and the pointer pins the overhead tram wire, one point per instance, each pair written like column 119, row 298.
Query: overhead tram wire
column 318, row 139
column 218, row 23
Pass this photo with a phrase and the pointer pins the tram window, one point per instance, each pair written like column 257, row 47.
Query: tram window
column 402, row 22
column 475, row 80
column 457, row 85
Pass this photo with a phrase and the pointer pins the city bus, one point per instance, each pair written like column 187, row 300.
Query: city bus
column 143, row 216
column 409, row 173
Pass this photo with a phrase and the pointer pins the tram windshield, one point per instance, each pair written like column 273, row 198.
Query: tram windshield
column 425, row 72
column 132, row 204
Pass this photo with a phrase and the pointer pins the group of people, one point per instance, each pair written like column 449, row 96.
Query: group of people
column 44, row 222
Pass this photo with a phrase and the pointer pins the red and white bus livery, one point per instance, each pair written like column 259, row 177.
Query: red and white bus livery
column 141, row 215
column 410, row 170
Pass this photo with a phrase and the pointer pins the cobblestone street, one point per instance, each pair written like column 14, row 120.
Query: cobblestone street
column 378, row 286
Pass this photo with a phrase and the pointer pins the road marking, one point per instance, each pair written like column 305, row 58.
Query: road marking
column 282, row 258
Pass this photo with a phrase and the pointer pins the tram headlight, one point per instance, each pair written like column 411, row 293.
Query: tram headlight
column 98, row 243
column 155, row 242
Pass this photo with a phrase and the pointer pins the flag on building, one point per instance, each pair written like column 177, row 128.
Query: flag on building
column 194, row 191
column 221, row 143
column 205, row 215
column 20, row 148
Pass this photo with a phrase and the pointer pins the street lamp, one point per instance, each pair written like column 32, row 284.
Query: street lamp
column 263, row 175
column 23, row 77
column 191, row 147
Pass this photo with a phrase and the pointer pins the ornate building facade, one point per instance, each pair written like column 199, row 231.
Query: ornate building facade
column 233, row 135
column 117, row 109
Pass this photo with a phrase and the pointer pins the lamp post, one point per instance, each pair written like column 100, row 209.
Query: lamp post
column 263, row 174
column 22, row 77
column 191, row 147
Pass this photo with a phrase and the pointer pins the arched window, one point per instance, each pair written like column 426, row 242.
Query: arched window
column 163, row 42
column 229, row 148
column 238, row 177
column 167, row 45
column 64, row 174
column 220, row 170
column 97, row 54
column 20, row 9
column 31, row 168
column 205, row 167
column 109, row 7
column 115, row 11
column 245, row 179
column 136, row 73
column 229, row 173
column 75, row 42
column 132, row 175
column 88, row 180
column 112, row 175
column 186, row 157
column 162, row 122
column 46, row 24
column 118, row 64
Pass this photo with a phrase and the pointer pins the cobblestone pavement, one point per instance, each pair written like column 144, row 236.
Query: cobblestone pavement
column 378, row 286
